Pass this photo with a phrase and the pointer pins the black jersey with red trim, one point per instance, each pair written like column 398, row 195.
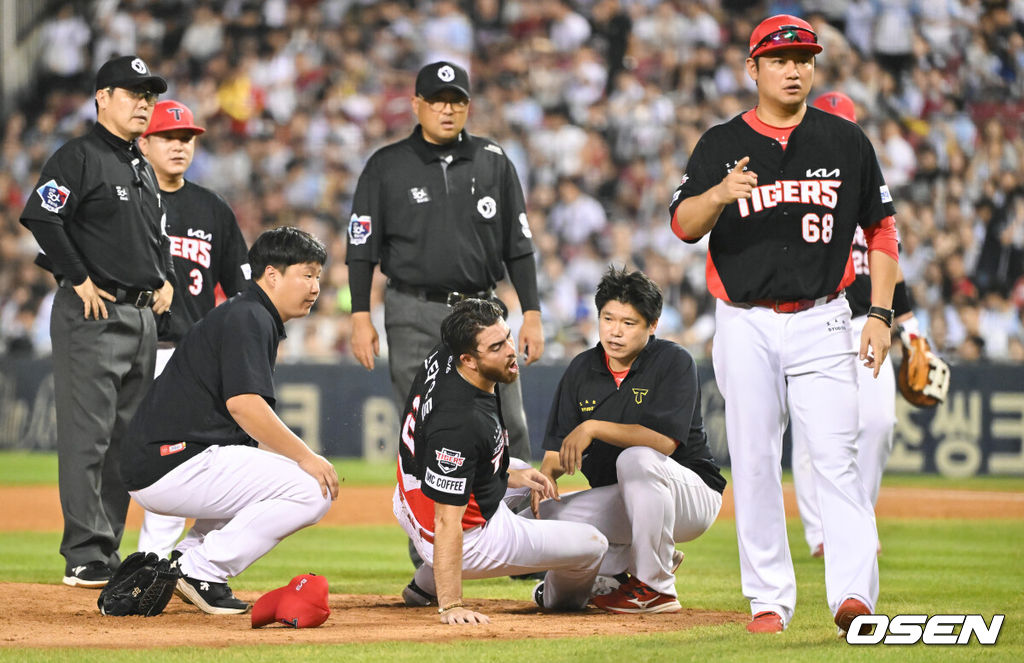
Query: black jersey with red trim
column 208, row 248
column 791, row 239
column 453, row 447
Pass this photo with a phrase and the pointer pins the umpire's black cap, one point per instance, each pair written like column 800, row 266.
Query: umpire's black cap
column 438, row 76
column 128, row 71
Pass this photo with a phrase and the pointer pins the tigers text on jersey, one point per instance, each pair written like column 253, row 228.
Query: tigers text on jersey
column 453, row 447
column 208, row 248
column 791, row 240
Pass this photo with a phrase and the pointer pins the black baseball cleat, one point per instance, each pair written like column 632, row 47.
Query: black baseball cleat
column 416, row 597
column 538, row 594
column 213, row 598
column 92, row 575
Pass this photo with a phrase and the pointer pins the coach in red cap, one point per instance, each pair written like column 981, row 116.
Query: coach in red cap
column 209, row 255
column 781, row 190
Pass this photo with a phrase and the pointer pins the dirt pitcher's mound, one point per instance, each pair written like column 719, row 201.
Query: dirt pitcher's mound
column 58, row 616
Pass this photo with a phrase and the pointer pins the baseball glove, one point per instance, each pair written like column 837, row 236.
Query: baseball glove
column 923, row 378
column 142, row 586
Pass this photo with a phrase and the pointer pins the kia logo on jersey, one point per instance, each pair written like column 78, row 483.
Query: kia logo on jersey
column 449, row 460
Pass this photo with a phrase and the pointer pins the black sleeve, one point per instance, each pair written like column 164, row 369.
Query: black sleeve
column 564, row 415
column 360, row 279
column 522, row 272
column 233, row 271
column 246, row 356
column 875, row 199
column 675, row 396
column 56, row 244
column 451, row 458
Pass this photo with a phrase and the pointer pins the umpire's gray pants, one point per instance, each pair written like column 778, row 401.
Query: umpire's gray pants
column 101, row 371
column 413, row 328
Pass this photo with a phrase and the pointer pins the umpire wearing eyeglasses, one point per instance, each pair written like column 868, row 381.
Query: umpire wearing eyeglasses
column 443, row 213
column 96, row 214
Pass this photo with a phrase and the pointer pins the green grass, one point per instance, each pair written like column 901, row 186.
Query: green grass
column 928, row 566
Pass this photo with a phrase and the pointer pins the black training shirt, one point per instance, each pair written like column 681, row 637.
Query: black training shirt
column 208, row 249
column 460, row 452
column 660, row 392
column 229, row 352
column 439, row 219
column 100, row 189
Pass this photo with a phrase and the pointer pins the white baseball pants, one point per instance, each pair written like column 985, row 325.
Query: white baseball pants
column 799, row 367
column 656, row 504
column 877, row 401
column 245, row 501
column 159, row 533
column 511, row 545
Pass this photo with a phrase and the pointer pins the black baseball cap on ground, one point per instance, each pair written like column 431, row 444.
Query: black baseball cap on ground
column 438, row 76
column 128, row 71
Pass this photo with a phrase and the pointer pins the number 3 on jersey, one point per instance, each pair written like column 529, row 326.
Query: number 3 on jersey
column 196, row 286
column 816, row 228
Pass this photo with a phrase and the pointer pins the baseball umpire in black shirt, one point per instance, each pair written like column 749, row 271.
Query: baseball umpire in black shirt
column 443, row 213
column 97, row 216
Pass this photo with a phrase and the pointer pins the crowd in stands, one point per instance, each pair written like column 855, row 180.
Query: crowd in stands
column 598, row 103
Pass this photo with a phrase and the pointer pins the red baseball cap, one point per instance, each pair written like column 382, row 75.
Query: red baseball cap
column 837, row 103
column 302, row 603
column 783, row 31
column 170, row 115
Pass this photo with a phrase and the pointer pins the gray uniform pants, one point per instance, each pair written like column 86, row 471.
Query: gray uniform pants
column 413, row 328
column 101, row 371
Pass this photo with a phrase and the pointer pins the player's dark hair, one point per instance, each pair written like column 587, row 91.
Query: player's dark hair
column 633, row 288
column 282, row 247
column 459, row 330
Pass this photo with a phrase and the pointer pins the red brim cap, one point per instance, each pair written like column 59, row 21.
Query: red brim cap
column 837, row 103
column 265, row 608
column 306, row 605
column 302, row 603
column 171, row 115
column 801, row 36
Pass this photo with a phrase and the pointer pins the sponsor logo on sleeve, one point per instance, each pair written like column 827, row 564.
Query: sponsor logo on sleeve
column 54, row 196
column 444, row 484
column 247, row 271
column 359, row 229
column 886, row 196
column 493, row 148
column 449, row 460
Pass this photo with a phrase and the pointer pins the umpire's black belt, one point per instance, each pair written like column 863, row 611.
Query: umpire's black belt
column 449, row 297
column 122, row 295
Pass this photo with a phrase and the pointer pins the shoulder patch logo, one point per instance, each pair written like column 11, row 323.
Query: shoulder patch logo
column 419, row 195
column 54, row 196
column 449, row 460
column 493, row 148
column 359, row 229
column 886, row 196
column 638, row 394
column 487, row 207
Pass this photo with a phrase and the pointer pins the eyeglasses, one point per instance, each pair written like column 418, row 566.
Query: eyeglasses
column 787, row 34
column 140, row 93
column 437, row 105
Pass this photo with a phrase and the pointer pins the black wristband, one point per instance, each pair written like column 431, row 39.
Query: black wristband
column 883, row 314
column 901, row 299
